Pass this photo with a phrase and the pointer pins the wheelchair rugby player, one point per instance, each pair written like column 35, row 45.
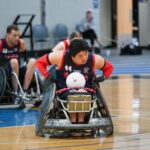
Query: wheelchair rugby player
column 73, row 100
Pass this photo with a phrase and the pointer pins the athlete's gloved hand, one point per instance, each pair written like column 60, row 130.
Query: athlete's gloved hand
column 49, row 79
column 100, row 78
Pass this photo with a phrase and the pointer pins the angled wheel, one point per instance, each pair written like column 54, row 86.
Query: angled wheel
column 3, row 81
column 104, row 111
column 45, row 108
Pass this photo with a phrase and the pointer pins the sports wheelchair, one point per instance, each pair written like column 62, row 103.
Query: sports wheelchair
column 8, row 96
column 54, row 112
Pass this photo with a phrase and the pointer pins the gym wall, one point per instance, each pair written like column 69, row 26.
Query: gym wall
column 68, row 12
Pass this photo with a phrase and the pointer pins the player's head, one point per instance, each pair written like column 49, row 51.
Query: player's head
column 13, row 34
column 75, row 35
column 89, row 14
column 75, row 79
column 89, row 11
column 79, row 51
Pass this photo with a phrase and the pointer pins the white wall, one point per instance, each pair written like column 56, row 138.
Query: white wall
column 9, row 9
column 69, row 12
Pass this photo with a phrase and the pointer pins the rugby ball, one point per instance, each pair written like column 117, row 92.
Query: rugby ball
column 75, row 79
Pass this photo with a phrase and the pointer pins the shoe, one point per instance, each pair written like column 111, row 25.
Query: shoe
column 21, row 105
column 20, row 93
column 26, row 93
column 15, row 99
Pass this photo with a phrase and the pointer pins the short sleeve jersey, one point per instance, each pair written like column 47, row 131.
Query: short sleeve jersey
column 68, row 66
column 9, row 52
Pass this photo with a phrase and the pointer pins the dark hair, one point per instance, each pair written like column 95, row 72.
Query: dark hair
column 78, row 45
column 12, row 27
column 74, row 35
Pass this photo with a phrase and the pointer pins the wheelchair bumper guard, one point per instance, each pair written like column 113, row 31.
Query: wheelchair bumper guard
column 94, row 123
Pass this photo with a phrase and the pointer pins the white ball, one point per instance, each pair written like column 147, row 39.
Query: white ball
column 75, row 79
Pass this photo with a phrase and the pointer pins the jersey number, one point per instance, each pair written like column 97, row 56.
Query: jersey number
column 68, row 68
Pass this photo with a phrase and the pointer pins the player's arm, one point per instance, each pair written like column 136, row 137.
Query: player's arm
column 2, row 58
column 22, row 46
column 22, row 49
column 47, row 60
column 1, row 46
column 59, row 47
column 104, row 65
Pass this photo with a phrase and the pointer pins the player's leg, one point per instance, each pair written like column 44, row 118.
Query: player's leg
column 15, row 68
column 29, row 73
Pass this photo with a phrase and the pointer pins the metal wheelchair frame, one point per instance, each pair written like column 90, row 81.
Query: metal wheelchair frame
column 49, row 121
column 31, row 98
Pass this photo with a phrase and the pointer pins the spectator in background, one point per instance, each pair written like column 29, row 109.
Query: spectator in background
column 64, row 45
column 87, row 28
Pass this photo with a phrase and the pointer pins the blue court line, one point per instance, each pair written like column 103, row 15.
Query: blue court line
column 132, row 70
column 129, row 70
column 16, row 117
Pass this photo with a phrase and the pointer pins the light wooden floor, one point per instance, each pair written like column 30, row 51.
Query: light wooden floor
column 128, row 99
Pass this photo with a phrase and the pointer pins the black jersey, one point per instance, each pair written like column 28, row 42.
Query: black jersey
column 8, row 52
column 68, row 66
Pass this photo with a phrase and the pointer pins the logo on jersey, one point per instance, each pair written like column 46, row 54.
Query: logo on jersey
column 5, row 50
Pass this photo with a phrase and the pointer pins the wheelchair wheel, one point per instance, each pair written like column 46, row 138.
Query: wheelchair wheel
column 104, row 111
column 45, row 108
column 3, row 81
